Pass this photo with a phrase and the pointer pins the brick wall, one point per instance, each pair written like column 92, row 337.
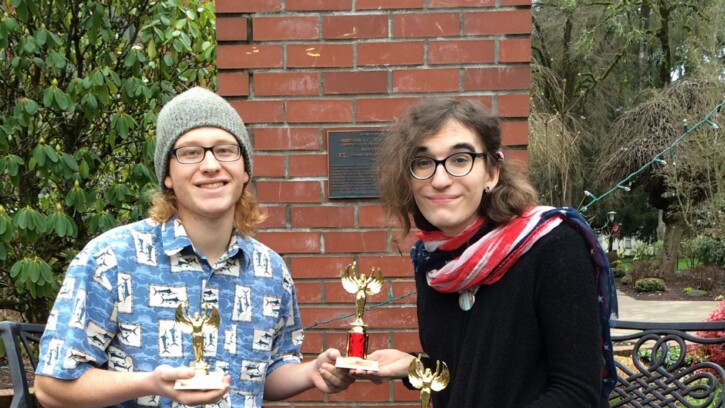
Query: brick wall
column 295, row 69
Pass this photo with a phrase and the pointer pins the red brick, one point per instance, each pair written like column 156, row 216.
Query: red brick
column 308, row 292
column 485, row 100
column 520, row 157
column 291, row 241
column 313, row 394
column 390, row 53
column 285, row 28
column 514, row 2
column 374, row 216
column 323, row 267
column 497, row 78
column 362, row 391
column 318, row 5
column 426, row 80
column 407, row 341
column 460, row 3
column 401, row 393
column 276, row 216
column 315, row 315
column 354, row 26
column 514, row 50
column 322, row 217
column 308, row 165
column 249, row 56
column 259, row 111
column 288, row 191
column 426, row 25
column 233, row 83
column 497, row 22
column 312, row 343
column 355, row 241
column 392, row 317
column 403, row 243
column 269, row 166
column 514, row 133
column 246, row 6
column 388, row 4
column 286, row 83
column 231, row 28
column 319, row 55
column 404, row 291
column 319, row 111
column 355, row 82
column 513, row 105
column 461, row 51
column 286, row 138
column 393, row 265
column 381, row 109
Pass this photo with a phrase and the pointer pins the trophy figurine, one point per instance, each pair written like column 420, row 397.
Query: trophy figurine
column 426, row 381
column 357, row 339
column 203, row 379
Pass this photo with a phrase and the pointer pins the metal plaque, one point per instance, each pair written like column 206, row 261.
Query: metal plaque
column 351, row 161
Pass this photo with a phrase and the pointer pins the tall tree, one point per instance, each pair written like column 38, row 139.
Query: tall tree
column 80, row 85
column 603, row 57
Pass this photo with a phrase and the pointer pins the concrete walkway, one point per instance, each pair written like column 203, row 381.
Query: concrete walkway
column 664, row 311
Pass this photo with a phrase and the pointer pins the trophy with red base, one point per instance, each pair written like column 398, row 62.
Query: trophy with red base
column 357, row 339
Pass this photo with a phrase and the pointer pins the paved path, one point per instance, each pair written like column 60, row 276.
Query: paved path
column 664, row 311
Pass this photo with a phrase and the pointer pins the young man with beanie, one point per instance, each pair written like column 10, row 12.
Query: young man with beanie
column 119, row 334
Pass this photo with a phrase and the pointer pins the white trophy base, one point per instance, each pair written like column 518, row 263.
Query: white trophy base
column 356, row 363
column 202, row 381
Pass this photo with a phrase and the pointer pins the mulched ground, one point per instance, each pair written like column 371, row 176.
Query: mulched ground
column 675, row 289
column 5, row 380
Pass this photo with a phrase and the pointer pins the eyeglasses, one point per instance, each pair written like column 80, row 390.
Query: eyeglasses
column 196, row 154
column 457, row 165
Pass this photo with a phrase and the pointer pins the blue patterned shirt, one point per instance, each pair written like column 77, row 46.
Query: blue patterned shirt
column 117, row 306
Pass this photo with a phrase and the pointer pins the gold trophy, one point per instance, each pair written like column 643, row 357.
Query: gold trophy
column 426, row 381
column 203, row 379
column 357, row 339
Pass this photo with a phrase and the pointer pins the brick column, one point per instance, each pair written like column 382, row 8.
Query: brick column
column 295, row 69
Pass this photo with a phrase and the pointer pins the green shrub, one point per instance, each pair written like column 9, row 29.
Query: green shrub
column 650, row 285
column 710, row 251
column 618, row 272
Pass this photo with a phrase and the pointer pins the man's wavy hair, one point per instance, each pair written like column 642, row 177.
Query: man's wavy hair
column 507, row 200
column 247, row 213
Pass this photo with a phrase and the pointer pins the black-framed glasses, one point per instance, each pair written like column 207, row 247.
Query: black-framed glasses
column 196, row 154
column 457, row 165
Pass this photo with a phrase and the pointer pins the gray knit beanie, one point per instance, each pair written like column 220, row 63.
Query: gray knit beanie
column 195, row 108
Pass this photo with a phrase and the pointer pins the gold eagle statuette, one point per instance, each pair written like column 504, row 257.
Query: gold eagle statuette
column 361, row 286
column 426, row 381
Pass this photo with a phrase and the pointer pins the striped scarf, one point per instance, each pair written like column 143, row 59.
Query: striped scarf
column 494, row 252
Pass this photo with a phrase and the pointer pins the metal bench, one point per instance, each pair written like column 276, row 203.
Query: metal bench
column 21, row 341
column 661, row 374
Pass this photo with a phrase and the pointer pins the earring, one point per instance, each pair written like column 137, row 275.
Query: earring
column 487, row 190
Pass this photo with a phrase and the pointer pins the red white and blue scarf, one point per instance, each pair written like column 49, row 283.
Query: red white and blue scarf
column 495, row 250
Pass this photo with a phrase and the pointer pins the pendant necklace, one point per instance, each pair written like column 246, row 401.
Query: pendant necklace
column 467, row 298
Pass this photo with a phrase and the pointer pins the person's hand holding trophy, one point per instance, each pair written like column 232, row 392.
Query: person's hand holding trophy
column 357, row 339
column 203, row 379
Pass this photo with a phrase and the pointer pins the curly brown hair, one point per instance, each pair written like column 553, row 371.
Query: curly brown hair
column 507, row 200
column 247, row 213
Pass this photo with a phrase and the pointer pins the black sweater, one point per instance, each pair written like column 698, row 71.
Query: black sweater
column 531, row 340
